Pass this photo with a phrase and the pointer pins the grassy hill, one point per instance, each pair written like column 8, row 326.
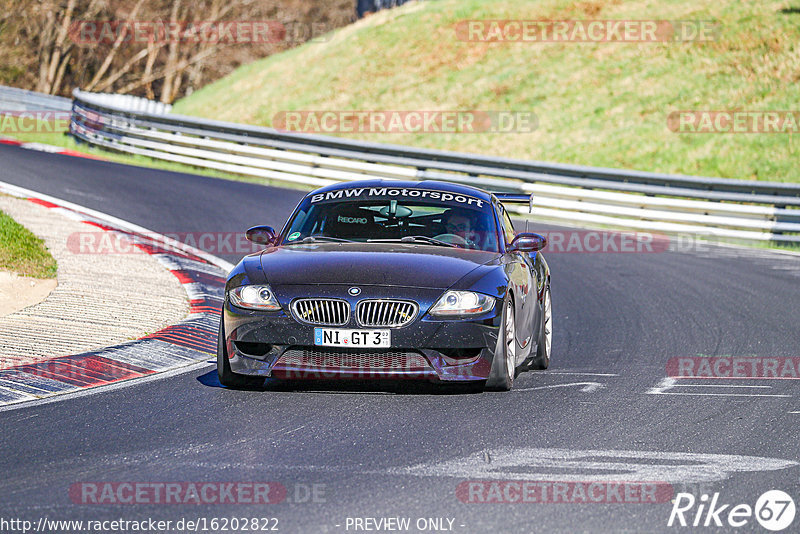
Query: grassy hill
column 600, row 103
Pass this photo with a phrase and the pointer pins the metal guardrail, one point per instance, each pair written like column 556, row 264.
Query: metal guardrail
column 734, row 209
column 130, row 103
column 15, row 100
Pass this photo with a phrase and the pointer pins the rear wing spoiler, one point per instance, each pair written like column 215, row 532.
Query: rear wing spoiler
column 516, row 198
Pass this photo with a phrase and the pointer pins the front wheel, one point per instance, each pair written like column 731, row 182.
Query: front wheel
column 227, row 377
column 542, row 360
column 504, row 366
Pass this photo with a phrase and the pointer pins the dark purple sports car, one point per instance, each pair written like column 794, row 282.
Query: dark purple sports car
column 389, row 279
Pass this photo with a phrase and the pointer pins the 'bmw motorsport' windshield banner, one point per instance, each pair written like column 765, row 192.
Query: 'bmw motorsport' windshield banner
column 369, row 193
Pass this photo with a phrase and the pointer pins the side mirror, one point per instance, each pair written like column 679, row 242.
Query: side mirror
column 525, row 242
column 262, row 235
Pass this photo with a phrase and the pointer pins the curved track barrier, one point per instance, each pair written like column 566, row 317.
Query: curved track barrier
column 716, row 207
column 737, row 210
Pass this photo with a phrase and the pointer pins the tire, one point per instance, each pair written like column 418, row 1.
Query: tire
column 227, row 377
column 545, row 343
column 504, row 369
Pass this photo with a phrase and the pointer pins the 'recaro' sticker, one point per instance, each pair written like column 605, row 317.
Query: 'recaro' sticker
column 293, row 236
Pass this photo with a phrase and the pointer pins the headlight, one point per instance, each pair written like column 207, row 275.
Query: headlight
column 462, row 303
column 258, row 297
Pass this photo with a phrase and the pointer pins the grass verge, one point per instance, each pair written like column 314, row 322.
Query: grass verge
column 22, row 252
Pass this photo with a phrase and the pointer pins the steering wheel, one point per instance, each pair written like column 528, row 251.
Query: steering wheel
column 456, row 239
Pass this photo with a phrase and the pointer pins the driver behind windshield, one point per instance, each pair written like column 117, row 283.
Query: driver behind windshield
column 379, row 220
column 460, row 224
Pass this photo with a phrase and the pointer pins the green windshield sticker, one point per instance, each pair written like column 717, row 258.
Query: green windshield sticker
column 293, row 236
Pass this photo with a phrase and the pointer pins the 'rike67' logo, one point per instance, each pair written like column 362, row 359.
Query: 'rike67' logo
column 774, row 510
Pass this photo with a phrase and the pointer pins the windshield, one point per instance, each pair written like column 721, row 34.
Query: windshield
column 434, row 218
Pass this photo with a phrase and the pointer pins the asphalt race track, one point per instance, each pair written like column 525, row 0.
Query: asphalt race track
column 605, row 411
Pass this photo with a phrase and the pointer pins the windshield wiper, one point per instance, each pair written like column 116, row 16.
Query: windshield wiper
column 321, row 239
column 414, row 239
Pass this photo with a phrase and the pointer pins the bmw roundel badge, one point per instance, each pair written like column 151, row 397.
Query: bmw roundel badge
column 354, row 291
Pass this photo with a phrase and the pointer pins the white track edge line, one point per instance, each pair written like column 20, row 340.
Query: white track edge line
column 84, row 392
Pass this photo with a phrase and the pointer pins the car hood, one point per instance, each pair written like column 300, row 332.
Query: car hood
column 409, row 265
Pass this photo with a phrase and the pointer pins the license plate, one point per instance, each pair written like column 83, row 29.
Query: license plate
column 339, row 337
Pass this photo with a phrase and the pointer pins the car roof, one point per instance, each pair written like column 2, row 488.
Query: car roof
column 407, row 184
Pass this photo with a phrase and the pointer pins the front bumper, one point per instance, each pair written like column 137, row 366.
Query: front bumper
column 275, row 344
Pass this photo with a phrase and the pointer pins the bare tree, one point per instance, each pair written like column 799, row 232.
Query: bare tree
column 121, row 35
column 41, row 49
